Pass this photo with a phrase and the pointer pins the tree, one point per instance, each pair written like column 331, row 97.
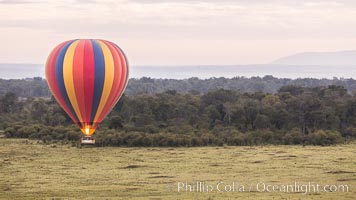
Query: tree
column 115, row 122
column 8, row 102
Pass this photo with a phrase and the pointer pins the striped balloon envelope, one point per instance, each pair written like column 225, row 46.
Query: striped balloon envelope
column 87, row 77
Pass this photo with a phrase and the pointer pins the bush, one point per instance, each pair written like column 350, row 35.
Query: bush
column 350, row 132
column 294, row 136
column 45, row 133
column 321, row 137
column 10, row 132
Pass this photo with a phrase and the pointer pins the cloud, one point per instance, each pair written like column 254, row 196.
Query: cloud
column 249, row 2
column 16, row 2
column 202, row 18
column 85, row 2
column 233, row 26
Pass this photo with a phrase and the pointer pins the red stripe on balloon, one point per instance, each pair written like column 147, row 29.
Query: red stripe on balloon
column 78, row 79
column 123, row 77
column 88, row 76
column 51, row 79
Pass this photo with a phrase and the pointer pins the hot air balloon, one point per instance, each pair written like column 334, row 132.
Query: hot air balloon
column 87, row 77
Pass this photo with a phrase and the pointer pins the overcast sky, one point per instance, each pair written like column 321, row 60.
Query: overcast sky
column 179, row 32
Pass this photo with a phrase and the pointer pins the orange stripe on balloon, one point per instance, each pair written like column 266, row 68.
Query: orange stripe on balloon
column 68, row 78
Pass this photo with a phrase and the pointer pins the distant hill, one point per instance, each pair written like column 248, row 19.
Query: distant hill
column 19, row 71
column 320, row 58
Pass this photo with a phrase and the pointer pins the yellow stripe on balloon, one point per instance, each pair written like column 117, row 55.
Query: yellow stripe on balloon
column 109, row 78
column 68, row 78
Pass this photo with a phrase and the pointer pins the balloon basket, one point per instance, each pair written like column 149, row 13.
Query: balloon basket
column 87, row 140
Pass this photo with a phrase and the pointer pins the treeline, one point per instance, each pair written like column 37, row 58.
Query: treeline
column 266, row 84
column 37, row 87
column 293, row 115
column 29, row 87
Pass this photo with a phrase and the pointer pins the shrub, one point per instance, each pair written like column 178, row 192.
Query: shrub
column 350, row 132
column 321, row 137
column 294, row 136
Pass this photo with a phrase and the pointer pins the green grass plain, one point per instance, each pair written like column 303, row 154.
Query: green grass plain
column 31, row 170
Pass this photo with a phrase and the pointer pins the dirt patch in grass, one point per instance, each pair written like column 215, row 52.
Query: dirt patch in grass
column 161, row 177
column 133, row 166
column 257, row 161
column 346, row 179
column 340, row 172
